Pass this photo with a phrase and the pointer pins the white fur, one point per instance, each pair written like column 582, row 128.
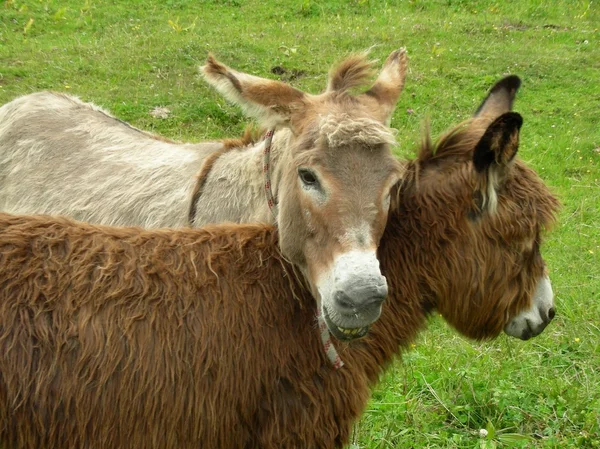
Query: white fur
column 356, row 273
column 490, row 199
column 341, row 129
column 534, row 319
column 360, row 233
column 60, row 156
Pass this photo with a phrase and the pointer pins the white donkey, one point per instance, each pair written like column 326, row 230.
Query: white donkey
column 331, row 172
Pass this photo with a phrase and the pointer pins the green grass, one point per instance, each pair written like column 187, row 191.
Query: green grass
column 130, row 57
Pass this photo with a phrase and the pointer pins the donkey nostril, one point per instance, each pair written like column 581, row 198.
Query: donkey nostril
column 551, row 313
column 377, row 298
column 343, row 301
column 359, row 301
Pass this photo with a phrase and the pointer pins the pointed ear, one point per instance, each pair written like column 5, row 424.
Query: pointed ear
column 499, row 143
column 351, row 72
column 389, row 84
column 272, row 102
column 500, row 98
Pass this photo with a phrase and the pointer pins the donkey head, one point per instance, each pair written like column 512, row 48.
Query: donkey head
column 484, row 211
column 335, row 179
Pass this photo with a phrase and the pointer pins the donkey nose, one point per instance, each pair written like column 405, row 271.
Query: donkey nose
column 354, row 300
column 547, row 315
column 533, row 330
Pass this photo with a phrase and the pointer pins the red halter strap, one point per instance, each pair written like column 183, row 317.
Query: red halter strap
column 332, row 354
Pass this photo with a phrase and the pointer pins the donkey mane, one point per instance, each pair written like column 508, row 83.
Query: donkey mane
column 455, row 147
column 455, row 144
column 94, row 107
column 250, row 137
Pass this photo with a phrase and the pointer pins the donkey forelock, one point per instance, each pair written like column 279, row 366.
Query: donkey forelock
column 341, row 129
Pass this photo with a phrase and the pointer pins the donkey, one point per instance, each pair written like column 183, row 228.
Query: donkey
column 331, row 171
column 187, row 338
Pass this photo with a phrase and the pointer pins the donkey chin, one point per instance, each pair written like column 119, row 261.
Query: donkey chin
column 533, row 321
column 352, row 293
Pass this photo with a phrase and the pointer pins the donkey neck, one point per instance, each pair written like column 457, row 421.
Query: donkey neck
column 234, row 188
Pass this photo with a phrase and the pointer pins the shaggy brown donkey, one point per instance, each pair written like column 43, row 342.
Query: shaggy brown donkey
column 125, row 338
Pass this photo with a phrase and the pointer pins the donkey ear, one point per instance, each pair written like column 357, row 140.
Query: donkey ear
column 500, row 98
column 351, row 72
column 499, row 143
column 272, row 102
column 389, row 84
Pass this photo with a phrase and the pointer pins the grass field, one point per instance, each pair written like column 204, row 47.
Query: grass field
column 131, row 57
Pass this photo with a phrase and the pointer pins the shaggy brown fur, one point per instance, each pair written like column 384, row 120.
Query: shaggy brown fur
column 482, row 257
column 124, row 338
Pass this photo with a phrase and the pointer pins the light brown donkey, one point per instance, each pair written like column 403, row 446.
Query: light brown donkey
column 331, row 170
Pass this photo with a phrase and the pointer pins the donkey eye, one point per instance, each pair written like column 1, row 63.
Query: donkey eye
column 308, row 177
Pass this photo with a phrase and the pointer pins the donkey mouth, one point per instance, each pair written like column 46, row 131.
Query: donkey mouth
column 344, row 333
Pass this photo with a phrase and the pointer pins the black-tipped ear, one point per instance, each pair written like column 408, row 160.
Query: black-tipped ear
column 500, row 98
column 499, row 143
